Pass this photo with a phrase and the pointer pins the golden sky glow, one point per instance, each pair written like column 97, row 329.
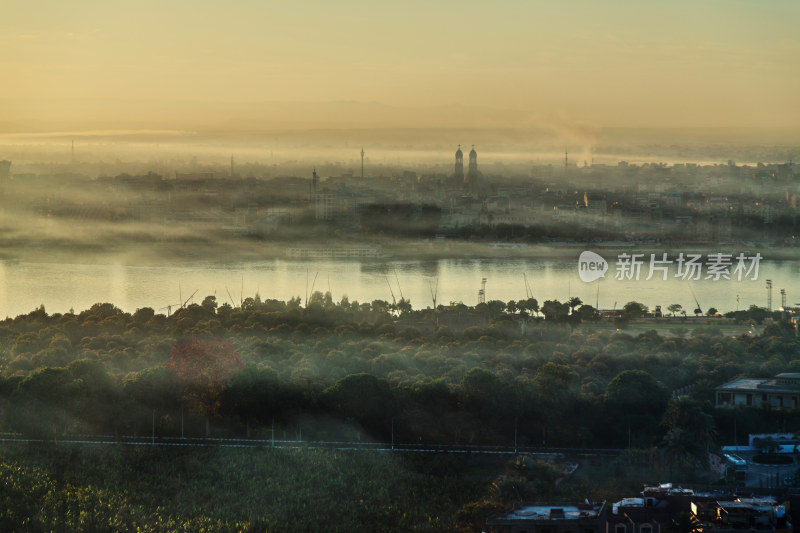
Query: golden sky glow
column 610, row 63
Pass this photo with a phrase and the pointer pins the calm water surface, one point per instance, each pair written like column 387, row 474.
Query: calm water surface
column 61, row 287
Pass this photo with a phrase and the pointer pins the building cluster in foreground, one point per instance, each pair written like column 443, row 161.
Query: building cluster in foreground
column 659, row 509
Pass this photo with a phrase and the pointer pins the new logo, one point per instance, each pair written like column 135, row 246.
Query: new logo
column 591, row 266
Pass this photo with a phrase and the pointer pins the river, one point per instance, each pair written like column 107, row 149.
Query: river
column 25, row 286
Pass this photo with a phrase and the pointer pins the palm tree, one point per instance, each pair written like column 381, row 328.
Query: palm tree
column 573, row 303
column 529, row 305
column 404, row 306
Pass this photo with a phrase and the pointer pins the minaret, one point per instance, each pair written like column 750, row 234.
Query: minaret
column 458, row 177
column 473, row 161
column 314, row 181
column 315, row 200
column 472, row 172
column 362, row 162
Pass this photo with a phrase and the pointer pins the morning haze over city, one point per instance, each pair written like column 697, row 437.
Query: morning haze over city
column 521, row 266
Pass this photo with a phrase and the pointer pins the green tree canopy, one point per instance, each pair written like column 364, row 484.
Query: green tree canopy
column 633, row 310
column 633, row 391
column 363, row 397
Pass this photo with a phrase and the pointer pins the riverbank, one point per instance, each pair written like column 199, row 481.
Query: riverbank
column 216, row 250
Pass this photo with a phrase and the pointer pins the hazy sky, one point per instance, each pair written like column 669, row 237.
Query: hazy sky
column 610, row 63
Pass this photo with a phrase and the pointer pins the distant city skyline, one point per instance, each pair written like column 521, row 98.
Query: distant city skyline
column 512, row 63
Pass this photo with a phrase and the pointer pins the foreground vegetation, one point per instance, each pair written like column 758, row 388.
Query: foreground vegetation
column 215, row 489
column 345, row 371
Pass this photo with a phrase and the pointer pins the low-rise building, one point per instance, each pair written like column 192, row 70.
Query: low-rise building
column 639, row 515
column 551, row 518
column 740, row 515
column 780, row 392
column 656, row 510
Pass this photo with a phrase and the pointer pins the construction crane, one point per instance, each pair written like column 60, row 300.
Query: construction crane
column 189, row 298
column 169, row 308
column 312, row 285
column 399, row 288
column 233, row 304
column 434, row 294
column 698, row 310
column 394, row 300
column 528, row 290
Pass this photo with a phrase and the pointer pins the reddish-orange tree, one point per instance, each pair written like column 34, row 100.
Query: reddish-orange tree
column 204, row 368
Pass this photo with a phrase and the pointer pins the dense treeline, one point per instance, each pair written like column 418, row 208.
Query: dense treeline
column 347, row 371
column 342, row 370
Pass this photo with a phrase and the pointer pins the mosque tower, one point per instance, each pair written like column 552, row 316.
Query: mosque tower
column 458, row 178
column 472, row 172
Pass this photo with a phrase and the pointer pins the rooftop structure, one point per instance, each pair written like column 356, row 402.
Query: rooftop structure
column 741, row 514
column 780, row 392
column 654, row 511
column 639, row 515
column 551, row 518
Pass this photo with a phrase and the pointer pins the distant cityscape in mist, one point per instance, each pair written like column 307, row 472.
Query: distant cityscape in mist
column 679, row 121
column 463, row 196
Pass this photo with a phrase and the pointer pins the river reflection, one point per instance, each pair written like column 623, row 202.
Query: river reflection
column 61, row 287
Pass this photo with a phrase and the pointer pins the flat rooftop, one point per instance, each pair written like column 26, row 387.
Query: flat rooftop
column 778, row 385
column 743, row 384
column 542, row 511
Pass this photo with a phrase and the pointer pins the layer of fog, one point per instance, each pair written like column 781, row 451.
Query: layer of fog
column 56, row 203
column 103, row 152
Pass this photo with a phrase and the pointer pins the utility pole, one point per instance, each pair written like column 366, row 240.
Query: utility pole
column 362, row 162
